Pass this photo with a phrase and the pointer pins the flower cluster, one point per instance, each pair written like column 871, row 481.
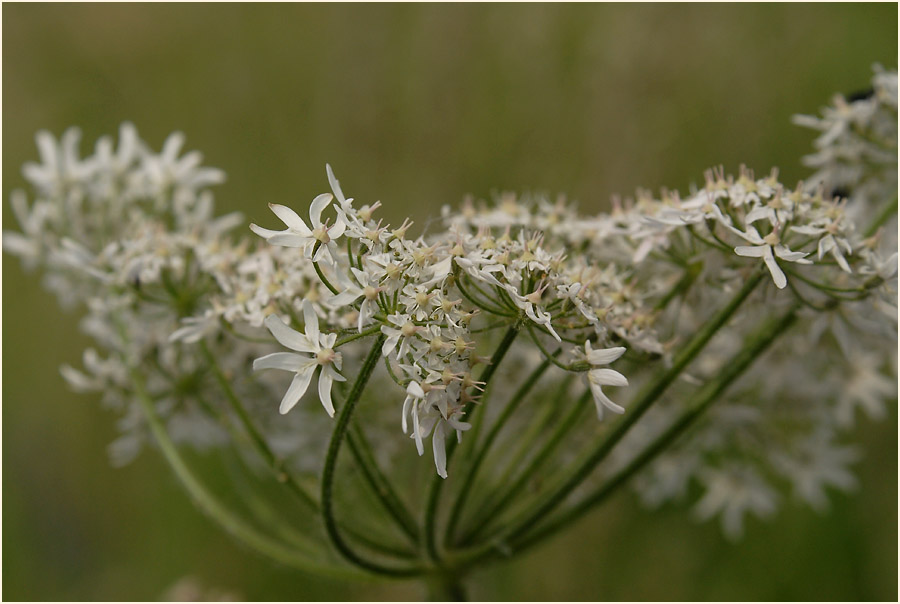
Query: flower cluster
column 486, row 323
column 856, row 152
column 428, row 298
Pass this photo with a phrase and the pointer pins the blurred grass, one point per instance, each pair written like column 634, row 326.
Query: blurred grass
column 416, row 105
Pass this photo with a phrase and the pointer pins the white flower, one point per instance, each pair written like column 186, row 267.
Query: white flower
column 829, row 243
column 767, row 248
column 299, row 235
column 604, row 377
column 401, row 336
column 529, row 303
column 318, row 344
column 352, row 292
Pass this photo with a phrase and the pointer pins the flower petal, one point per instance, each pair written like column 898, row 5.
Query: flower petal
column 289, row 337
column 286, row 361
column 325, row 381
column 290, row 218
column 440, row 452
column 607, row 377
column 751, row 251
column 311, row 319
column 605, row 355
column 315, row 208
column 335, row 185
column 777, row 273
column 297, row 388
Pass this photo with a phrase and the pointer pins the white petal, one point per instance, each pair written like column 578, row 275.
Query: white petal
column 290, row 218
column 264, row 233
column 605, row 355
column 286, row 361
column 786, row 254
column 332, row 369
column 777, row 273
column 602, row 401
column 607, row 377
column 751, row 251
column 315, row 209
column 440, row 453
column 415, row 390
column 335, row 185
column 337, row 229
column 325, row 380
column 808, row 230
column 756, row 214
column 407, row 403
column 416, row 432
column 289, row 337
column 312, row 322
column 288, row 239
column 390, row 343
column 348, row 296
column 297, row 389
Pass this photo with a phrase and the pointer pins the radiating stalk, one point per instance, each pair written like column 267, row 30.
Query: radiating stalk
column 438, row 482
column 214, row 508
column 480, row 455
column 380, row 484
column 341, row 428
column 487, row 514
column 702, row 400
column 644, row 400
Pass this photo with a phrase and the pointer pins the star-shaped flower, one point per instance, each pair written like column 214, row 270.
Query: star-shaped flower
column 319, row 345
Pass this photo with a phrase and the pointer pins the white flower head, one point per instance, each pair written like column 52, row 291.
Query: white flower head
column 319, row 345
column 305, row 237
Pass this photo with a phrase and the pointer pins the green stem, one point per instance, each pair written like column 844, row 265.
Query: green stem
column 703, row 399
column 535, row 427
column 445, row 588
column 480, row 304
column 469, row 480
column 364, row 333
column 321, row 275
column 256, row 437
column 277, row 466
column 486, row 515
column 334, row 447
column 648, row 395
column 380, row 484
column 214, row 508
column 438, row 482
column 551, row 357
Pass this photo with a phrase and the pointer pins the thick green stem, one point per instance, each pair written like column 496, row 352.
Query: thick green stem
column 445, row 588
column 469, row 479
column 644, row 400
column 437, row 483
column 702, row 400
column 334, row 447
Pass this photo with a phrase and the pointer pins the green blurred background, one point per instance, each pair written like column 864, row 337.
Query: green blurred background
column 416, row 105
